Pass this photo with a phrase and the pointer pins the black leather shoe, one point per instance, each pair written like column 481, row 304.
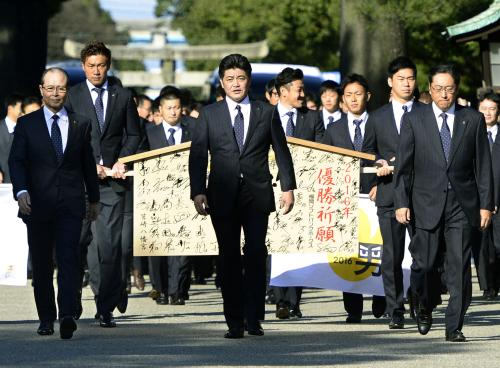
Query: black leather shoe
column 353, row 318
column 123, row 303
column 270, row 298
column 107, row 321
column 255, row 329
column 176, row 300
column 67, row 326
column 295, row 312
column 162, row 299
column 46, row 328
column 282, row 311
column 234, row 333
column 397, row 322
column 455, row 336
column 424, row 322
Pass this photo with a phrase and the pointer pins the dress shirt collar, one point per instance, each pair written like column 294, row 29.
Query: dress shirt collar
column 351, row 118
column 63, row 114
column 493, row 130
column 398, row 106
column 231, row 104
column 167, row 126
column 283, row 111
column 90, row 86
column 438, row 111
column 10, row 124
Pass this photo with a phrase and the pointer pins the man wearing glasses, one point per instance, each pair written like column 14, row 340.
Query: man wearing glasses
column 443, row 186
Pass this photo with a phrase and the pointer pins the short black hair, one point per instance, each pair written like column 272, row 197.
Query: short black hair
column 287, row 76
column 141, row 98
column 12, row 100
column 235, row 61
column 450, row 69
column 492, row 96
column 30, row 100
column 95, row 48
column 156, row 105
column 171, row 93
column 329, row 85
column 401, row 62
column 219, row 92
column 270, row 85
column 354, row 78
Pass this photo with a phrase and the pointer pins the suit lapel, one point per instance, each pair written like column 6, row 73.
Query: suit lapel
column 88, row 105
column 347, row 135
column 299, row 124
column 459, row 126
column 41, row 130
column 225, row 123
column 432, row 128
column 255, row 111
column 72, row 134
column 186, row 134
column 394, row 126
column 112, row 94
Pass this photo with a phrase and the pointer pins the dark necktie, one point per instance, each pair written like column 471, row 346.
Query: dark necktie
column 358, row 138
column 290, row 128
column 99, row 107
column 171, row 139
column 55, row 136
column 405, row 109
column 490, row 140
column 330, row 121
column 445, row 136
column 239, row 128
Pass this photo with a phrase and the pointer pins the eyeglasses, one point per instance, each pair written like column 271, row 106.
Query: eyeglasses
column 448, row 89
column 52, row 89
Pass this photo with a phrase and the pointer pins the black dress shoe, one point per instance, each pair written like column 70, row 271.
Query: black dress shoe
column 234, row 333
column 123, row 303
column 282, row 312
column 255, row 329
column 107, row 321
column 353, row 318
column 424, row 322
column 270, row 298
column 397, row 322
column 67, row 326
column 162, row 299
column 46, row 328
column 455, row 336
column 295, row 312
column 176, row 300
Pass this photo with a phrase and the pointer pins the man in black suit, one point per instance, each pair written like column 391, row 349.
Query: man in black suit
column 443, row 173
column 115, row 133
column 171, row 276
column 487, row 253
column 51, row 167
column 7, row 125
column 381, row 139
column 238, row 133
column 329, row 93
column 299, row 122
column 349, row 133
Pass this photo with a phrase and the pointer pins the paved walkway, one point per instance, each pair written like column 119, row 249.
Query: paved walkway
column 149, row 335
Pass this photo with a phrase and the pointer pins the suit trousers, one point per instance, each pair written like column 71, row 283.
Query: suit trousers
column 171, row 275
column 353, row 304
column 393, row 236
column 243, row 277
column 289, row 296
column 487, row 256
column 127, row 233
column 105, row 252
column 61, row 232
column 454, row 236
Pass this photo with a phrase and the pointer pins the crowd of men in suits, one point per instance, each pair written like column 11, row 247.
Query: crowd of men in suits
column 437, row 179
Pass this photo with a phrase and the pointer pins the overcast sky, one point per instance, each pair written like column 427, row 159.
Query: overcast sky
column 129, row 9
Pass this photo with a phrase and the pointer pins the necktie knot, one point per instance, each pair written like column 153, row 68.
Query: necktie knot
column 290, row 114
column 405, row 109
column 444, row 117
column 98, row 90
column 330, row 120
column 357, row 122
column 171, row 130
column 55, row 117
column 238, row 107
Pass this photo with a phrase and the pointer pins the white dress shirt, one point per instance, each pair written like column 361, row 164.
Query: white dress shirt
column 337, row 114
column 352, row 127
column 493, row 130
column 94, row 94
column 63, row 123
column 283, row 111
column 397, row 109
column 245, row 110
column 10, row 125
column 450, row 117
column 177, row 133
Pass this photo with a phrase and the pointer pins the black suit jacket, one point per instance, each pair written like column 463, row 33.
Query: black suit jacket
column 495, row 163
column 338, row 135
column 53, row 186
column 156, row 133
column 121, row 136
column 214, row 132
column 381, row 139
column 422, row 173
column 5, row 144
column 308, row 125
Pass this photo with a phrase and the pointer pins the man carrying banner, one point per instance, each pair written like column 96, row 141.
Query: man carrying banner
column 238, row 133
column 443, row 173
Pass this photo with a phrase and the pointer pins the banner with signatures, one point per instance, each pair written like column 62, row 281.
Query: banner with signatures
column 324, row 218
